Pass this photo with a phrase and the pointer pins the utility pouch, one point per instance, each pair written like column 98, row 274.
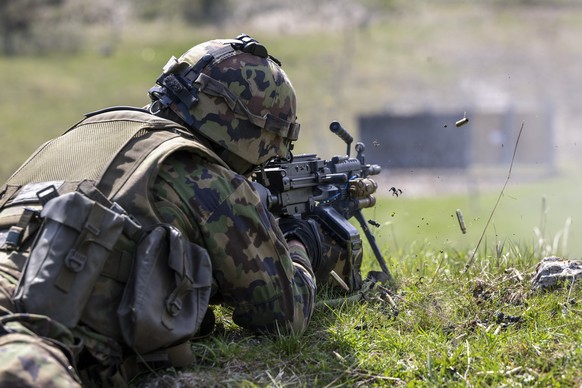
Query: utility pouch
column 167, row 295
column 70, row 249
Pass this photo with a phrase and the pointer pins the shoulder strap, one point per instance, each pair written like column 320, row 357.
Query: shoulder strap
column 6, row 193
column 128, row 178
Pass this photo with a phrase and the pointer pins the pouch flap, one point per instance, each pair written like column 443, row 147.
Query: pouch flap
column 69, row 209
column 78, row 212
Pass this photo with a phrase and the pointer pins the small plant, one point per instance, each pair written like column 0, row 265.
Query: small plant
column 557, row 245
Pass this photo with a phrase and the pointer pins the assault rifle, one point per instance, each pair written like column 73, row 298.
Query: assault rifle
column 329, row 191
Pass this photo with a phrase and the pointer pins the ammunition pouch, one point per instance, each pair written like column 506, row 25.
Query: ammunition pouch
column 70, row 249
column 91, row 264
column 168, row 293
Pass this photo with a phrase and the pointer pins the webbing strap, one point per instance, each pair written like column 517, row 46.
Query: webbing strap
column 7, row 193
column 16, row 232
column 76, row 259
column 131, row 227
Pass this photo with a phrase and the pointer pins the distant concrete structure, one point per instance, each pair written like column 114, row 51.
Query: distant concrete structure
column 427, row 140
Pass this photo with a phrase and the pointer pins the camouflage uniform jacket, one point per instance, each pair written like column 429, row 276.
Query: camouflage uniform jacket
column 269, row 283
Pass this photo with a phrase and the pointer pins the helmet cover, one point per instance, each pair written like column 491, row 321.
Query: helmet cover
column 233, row 93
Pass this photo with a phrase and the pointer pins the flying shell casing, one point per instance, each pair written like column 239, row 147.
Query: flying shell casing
column 462, row 122
column 461, row 221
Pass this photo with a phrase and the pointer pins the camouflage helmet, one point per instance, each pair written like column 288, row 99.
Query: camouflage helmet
column 233, row 93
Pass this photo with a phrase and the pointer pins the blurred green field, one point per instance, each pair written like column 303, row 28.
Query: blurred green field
column 419, row 57
column 42, row 97
column 533, row 218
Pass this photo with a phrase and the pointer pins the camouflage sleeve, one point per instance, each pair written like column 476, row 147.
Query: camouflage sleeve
column 268, row 282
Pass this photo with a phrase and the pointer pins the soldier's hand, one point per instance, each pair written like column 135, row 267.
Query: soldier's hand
column 308, row 232
column 323, row 251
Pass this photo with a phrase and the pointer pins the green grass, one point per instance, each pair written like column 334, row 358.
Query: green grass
column 539, row 215
column 444, row 328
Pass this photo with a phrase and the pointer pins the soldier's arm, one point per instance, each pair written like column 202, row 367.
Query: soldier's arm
column 267, row 281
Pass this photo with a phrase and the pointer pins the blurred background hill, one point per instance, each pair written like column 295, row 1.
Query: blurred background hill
column 61, row 58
